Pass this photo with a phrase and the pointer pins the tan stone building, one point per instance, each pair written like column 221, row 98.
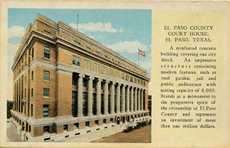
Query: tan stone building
column 65, row 81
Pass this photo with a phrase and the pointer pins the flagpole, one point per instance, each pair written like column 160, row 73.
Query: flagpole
column 138, row 57
column 77, row 21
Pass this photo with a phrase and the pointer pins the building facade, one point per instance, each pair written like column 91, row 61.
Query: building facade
column 65, row 81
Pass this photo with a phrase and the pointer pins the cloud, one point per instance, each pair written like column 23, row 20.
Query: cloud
column 11, row 51
column 129, row 50
column 97, row 27
column 128, row 46
column 15, row 31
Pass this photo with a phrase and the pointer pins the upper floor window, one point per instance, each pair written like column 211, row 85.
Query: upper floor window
column 46, row 52
column 45, row 110
column 46, row 92
column 46, row 75
column 32, row 92
column 25, row 92
column 76, row 61
column 32, row 53
column 31, row 110
column 32, row 75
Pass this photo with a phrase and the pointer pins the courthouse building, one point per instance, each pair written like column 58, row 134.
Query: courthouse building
column 65, row 81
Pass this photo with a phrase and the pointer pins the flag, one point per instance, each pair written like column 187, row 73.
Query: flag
column 141, row 52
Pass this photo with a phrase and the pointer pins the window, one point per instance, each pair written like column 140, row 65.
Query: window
column 76, row 61
column 46, row 52
column 29, row 128
column 46, row 92
column 32, row 75
column 76, row 125
column 32, row 92
column 25, row 92
column 97, row 122
column 66, row 127
column 46, row 129
column 45, row 110
column 31, row 110
column 46, row 75
column 87, row 123
column 32, row 52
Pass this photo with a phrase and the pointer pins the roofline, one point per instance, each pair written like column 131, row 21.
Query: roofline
column 97, row 43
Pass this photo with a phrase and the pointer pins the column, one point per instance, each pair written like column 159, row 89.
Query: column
column 128, row 97
column 131, row 99
column 123, row 99
column 138, row 99
column 141, row 100
column 146, row 99
column 19, row 104
column 112, row 98
column 90, row 96
column 79, row 97
column 134, row 98
column 98, row 97
column 118, row 98
column 106, row 94
column 16, row 97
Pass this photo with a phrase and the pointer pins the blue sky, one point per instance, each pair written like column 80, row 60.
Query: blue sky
column 122, row 30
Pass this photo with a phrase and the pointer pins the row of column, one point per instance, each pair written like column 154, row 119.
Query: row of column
column 18, row 94
column 130, row 97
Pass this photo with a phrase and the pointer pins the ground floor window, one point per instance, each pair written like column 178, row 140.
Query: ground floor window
column 74, row 103
column 97, row 122
column 66, row 127
column 46, row 129
column 85, row 103
column 94, row 103
column 87, row 123
column 76, row 125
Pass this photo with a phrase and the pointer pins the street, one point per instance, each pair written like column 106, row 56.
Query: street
column 140, row 135
column 12, row 135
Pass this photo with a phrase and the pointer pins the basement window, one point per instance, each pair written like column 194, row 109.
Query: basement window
column 46, row 139
column 77, row 133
